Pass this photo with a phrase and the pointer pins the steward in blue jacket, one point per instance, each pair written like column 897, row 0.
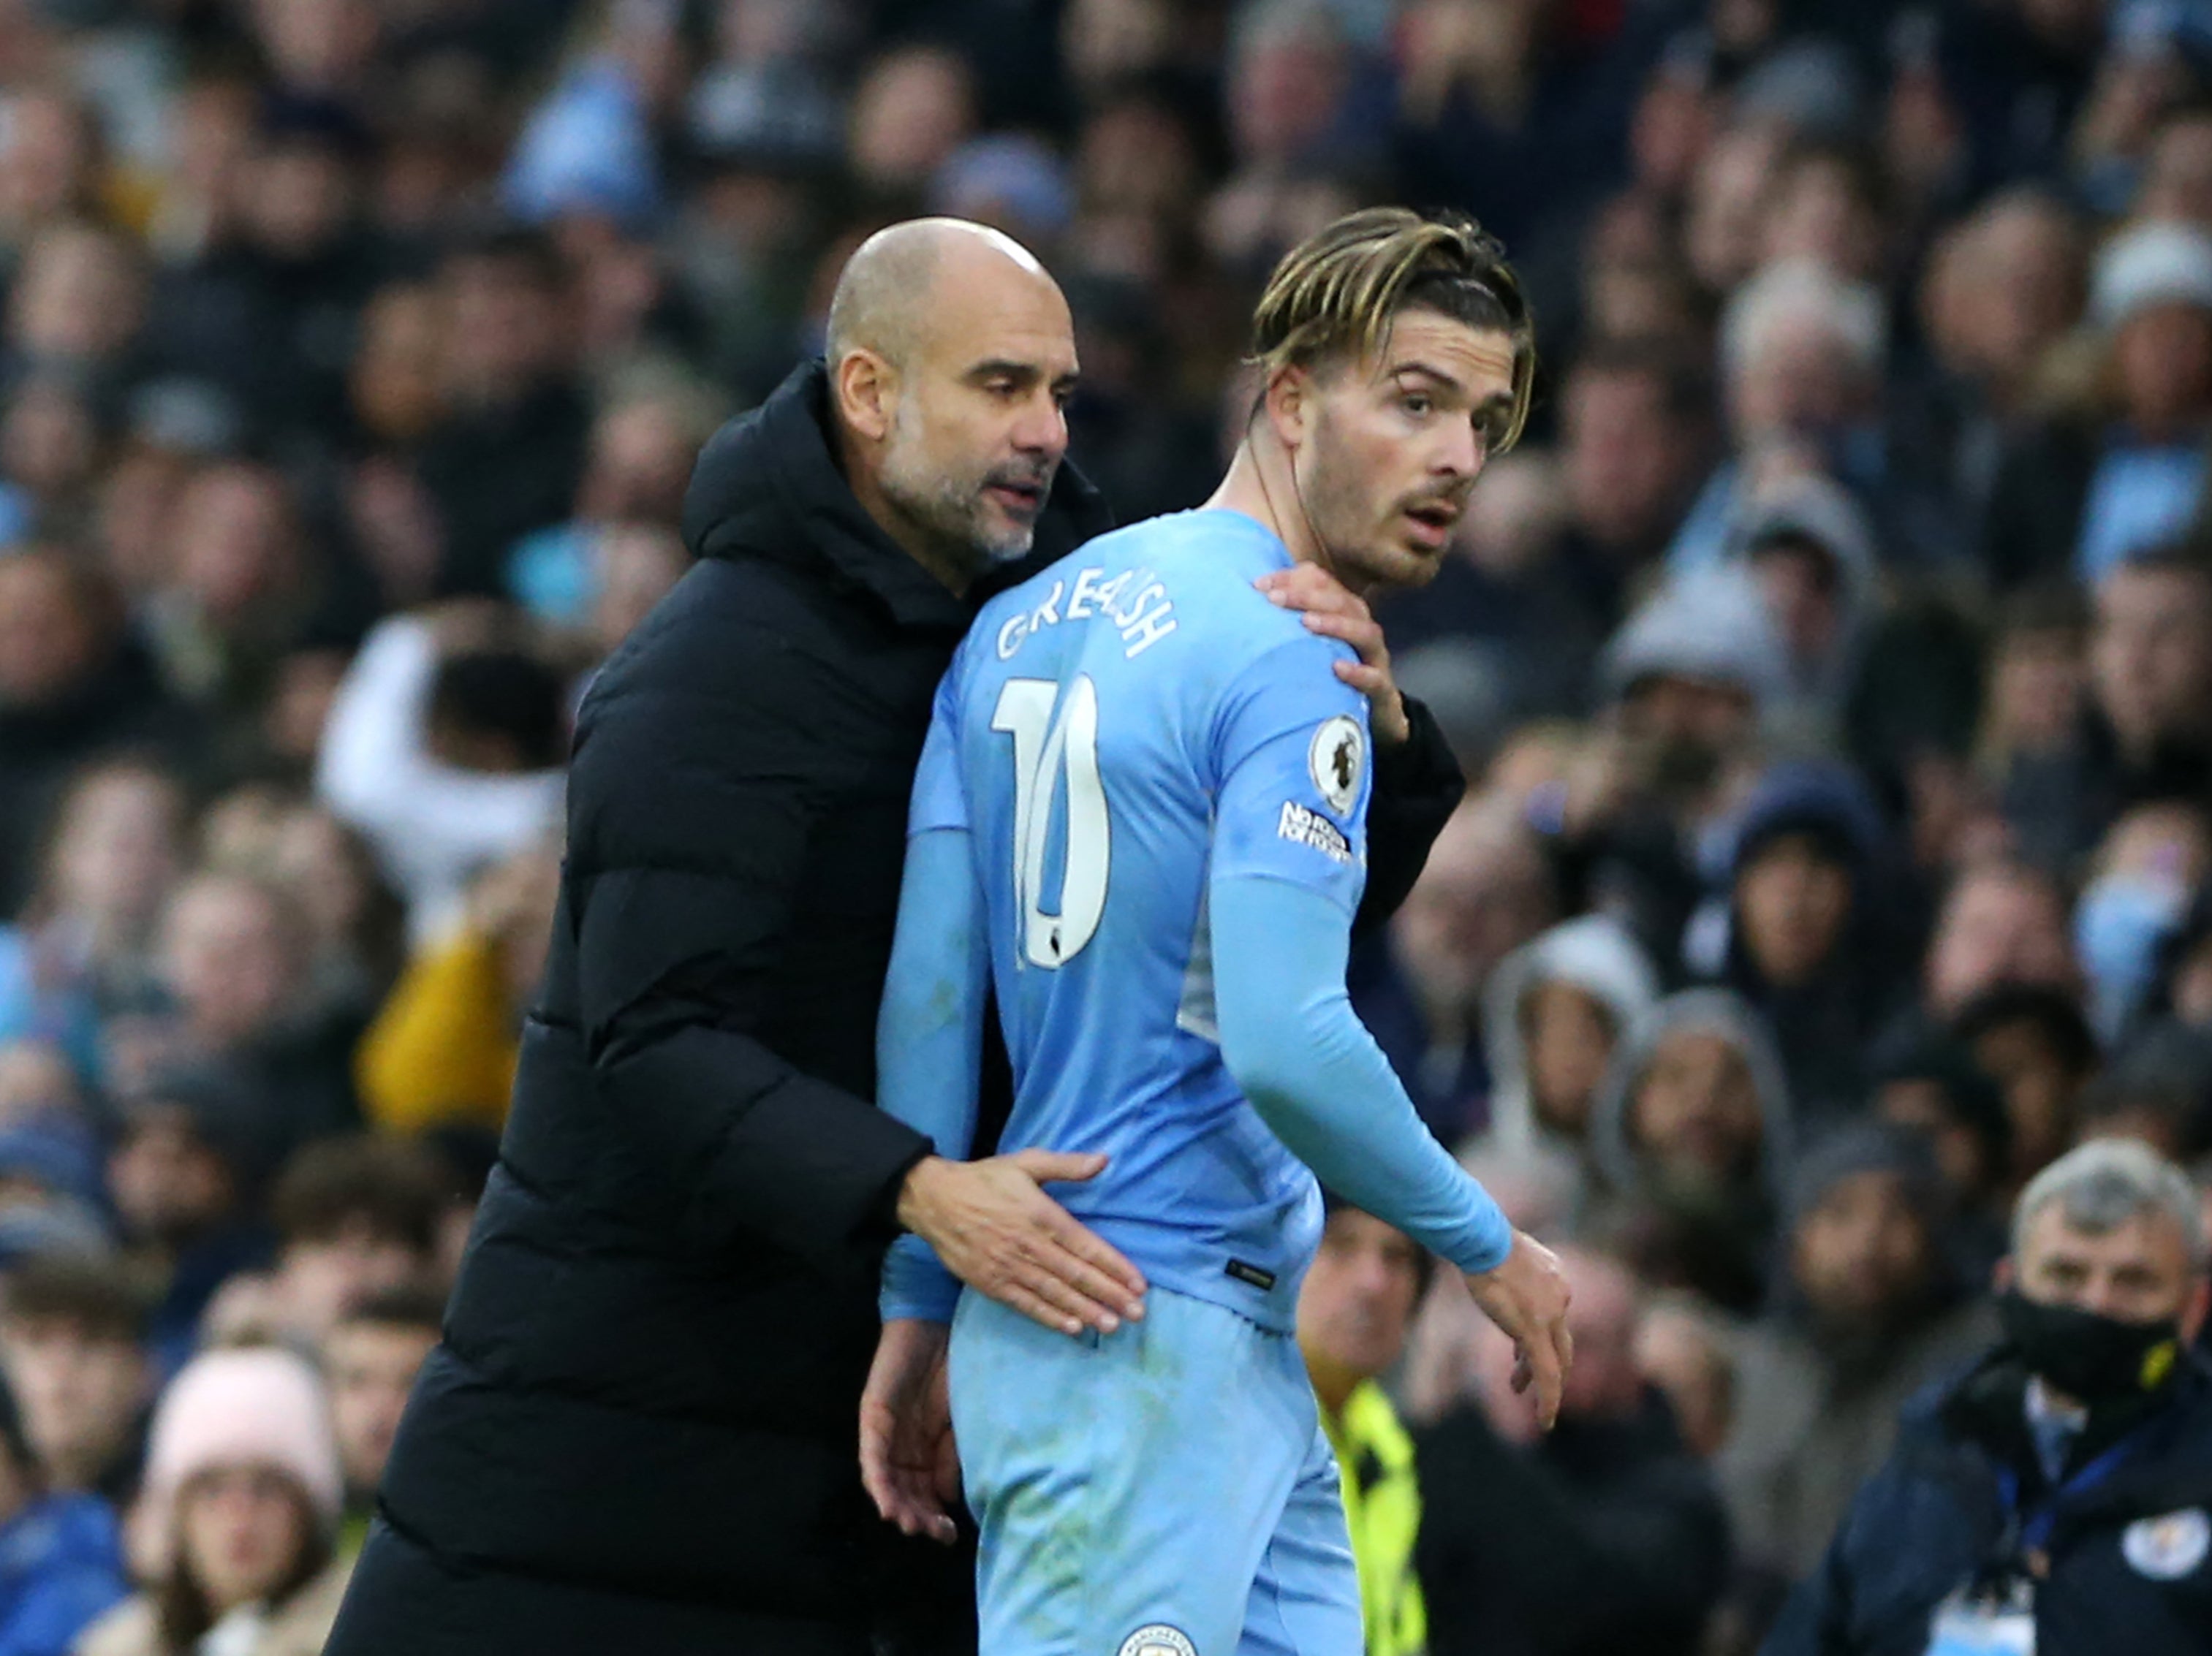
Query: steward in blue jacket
column 2056, row 1501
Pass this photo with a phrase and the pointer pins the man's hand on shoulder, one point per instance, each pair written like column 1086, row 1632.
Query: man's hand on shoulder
column 1334, row 612
column 1526, row 1296
column 994, row 1227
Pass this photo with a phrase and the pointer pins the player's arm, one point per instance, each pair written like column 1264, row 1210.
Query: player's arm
column 1284, row 881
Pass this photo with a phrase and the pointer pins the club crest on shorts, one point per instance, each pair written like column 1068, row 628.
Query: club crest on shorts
column 1339, row 749
column 2166, row 1548
column 1157, row 1639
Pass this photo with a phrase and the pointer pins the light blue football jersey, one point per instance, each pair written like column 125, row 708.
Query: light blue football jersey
column 1112, row 734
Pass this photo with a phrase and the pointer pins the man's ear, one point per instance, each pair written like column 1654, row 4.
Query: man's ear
column 866, row 389
column 2001, row 1278
column 2193, row 1310
column 1288, row 404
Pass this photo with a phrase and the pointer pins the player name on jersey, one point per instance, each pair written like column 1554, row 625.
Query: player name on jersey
column 1147, row 617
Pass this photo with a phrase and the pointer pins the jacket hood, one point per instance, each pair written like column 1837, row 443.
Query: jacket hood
column 1716, row 1011
column 768, row 485
column 1823, row 513
column 1710, row 625
column 1594, row 954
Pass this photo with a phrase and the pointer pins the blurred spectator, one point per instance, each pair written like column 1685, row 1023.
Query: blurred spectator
column 72, row 1338
column 2000, row 923
column 1693, row 1137
column 73, row 686
column 441, row 750
column 2084, row 495
column 1353, row 1310
column 1484, row 891
column 61, row 1555
column 233, row 960
column 1929, row 1084
column 85, row 941
column 1869, row 1312
column 445, row 1046
column 1689, row 676
column 371, row 1357
column 185, row 1175
column 355, row 1217
column 2072, row 1457
column 2035, row 1041
column 1804, row 938
column 1683, row 1349
column 234, row 1532
column 1602, row 1533
column 504, row 459
column 1556, row 1011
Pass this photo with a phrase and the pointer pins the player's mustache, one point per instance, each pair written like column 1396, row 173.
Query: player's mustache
column 1037, row 475
column 1453, row 500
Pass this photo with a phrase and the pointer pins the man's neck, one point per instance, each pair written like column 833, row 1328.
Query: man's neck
column 1261, row 484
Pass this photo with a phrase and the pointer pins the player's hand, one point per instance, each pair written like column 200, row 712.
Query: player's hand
column 1526, row 1297
column 1334, row 612
column 908, row 1464
column 994, row 1229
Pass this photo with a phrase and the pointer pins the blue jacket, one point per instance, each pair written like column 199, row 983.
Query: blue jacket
column 61, row 1566
column 2128, row 1559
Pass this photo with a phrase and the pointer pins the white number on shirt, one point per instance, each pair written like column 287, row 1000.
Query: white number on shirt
column 1047, row 752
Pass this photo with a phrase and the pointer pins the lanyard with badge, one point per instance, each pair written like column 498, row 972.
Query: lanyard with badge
column 1994, row 1614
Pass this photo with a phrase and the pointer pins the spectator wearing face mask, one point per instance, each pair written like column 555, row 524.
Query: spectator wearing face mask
column 2055, row 1499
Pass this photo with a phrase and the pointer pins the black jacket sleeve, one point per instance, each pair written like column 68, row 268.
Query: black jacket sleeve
column 1508, row 1543
column 690, row 817
column 1417, row 786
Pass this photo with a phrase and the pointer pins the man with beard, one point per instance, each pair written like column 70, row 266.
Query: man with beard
column 637, row 1434
column 1141, row 819
column 2056, row 1501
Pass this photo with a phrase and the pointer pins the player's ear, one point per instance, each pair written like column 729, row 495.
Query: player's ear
column 1289, row 405
column 866, row 388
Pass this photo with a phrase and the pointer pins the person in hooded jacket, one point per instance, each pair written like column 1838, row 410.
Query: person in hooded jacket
column 638, row 1434
column 1868, row 1310
column 2057, row 1497
column 1692, row 1138
column 1557, row 1010
column 1802, row 937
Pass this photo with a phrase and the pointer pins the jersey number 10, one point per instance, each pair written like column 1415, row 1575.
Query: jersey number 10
column 1050, row 752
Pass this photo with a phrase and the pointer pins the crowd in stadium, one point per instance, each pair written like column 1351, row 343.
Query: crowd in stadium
column 1831, row 666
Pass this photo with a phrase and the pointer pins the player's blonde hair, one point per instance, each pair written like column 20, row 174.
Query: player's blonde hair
column 1337, row 293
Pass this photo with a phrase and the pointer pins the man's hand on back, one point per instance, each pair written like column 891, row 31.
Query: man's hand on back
column 994, row 1227
column 1526, row 1297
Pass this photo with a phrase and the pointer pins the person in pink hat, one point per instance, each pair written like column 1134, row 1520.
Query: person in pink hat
column 238, row 1516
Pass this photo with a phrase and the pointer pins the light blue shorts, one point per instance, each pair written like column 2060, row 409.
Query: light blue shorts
column 1163, row 1491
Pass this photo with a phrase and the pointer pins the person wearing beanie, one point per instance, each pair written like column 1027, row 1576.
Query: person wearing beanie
column 236, row 1524
column 1867, row 1312
column 61, row 1554
column 2083, row 493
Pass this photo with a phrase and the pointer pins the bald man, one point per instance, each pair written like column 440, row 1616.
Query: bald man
column 638, row 1434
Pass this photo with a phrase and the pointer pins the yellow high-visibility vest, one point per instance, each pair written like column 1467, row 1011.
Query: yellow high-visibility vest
column 1383, row 1509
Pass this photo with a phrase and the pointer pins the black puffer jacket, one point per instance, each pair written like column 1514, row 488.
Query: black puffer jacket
column 639, row 1434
